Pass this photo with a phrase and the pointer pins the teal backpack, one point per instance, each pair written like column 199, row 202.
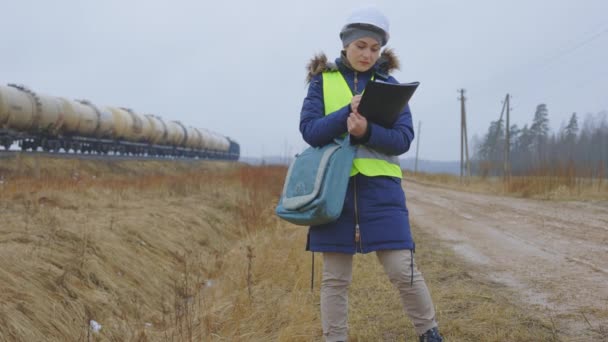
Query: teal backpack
column 316, row 183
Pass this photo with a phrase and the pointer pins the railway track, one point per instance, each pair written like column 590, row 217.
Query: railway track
column 4, row 154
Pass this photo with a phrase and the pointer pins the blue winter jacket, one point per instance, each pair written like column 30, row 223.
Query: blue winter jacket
column 381, row 206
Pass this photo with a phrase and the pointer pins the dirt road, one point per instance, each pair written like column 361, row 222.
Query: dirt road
column 554, row 253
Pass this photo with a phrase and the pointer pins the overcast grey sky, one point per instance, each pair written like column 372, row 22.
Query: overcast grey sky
column 237, row 67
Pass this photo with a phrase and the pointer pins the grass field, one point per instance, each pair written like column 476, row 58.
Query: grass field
column 165, row 251
column 540, row 186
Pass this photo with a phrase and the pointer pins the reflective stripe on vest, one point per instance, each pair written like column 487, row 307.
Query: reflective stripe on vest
column 337, row 94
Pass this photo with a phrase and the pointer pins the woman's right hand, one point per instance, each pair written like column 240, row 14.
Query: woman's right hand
column 354, row 103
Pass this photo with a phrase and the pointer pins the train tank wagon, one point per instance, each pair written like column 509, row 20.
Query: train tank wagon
column 158, row 134
column 40, row 122
column 34, row 117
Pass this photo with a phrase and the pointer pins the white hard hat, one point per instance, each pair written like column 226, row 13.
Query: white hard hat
column 368, row 15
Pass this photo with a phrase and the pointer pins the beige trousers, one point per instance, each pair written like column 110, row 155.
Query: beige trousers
column 398, row 265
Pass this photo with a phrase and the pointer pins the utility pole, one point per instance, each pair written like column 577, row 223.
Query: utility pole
column 417, row 148
column 507, row 166
column 461, row 98
column 464, row 145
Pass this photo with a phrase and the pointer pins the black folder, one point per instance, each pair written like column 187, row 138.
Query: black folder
column 382, row 102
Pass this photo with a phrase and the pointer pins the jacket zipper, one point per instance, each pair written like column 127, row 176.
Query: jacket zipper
column 358, row 239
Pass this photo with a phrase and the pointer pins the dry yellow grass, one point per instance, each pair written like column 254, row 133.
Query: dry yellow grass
column 540, row 187
column 165, row 251
column 282, row 308
column 119, row 243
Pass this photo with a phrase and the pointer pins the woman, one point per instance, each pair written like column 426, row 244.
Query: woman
column 374, row 217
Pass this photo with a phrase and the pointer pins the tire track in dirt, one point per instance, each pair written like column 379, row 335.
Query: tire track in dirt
column 555, row 254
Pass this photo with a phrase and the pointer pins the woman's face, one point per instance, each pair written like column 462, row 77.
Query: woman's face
column 363, row 53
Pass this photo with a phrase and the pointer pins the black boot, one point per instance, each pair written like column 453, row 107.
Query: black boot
column 431, row 335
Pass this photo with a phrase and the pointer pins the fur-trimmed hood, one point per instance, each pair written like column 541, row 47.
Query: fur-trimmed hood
column 387, row 62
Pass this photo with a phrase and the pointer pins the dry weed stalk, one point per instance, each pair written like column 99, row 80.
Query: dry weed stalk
column 83, row 254
column 250, row 257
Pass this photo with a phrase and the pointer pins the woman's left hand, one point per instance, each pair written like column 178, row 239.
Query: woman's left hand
column 356, row 124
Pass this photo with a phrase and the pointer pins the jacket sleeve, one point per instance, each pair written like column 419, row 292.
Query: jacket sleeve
column 396, row 140
column 317, row 128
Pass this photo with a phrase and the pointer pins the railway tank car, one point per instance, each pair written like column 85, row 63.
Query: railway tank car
column 55, row 124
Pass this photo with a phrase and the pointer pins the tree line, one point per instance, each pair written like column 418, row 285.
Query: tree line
column 576, row 149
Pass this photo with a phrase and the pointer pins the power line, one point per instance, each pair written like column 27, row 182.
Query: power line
column 545, row 62
column 569, row 50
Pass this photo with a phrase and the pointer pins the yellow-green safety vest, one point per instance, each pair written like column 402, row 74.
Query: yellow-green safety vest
column 337, row 94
